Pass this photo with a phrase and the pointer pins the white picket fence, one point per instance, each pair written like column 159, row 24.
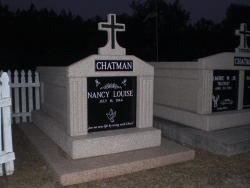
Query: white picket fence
column 7, row 156
column 25, row 95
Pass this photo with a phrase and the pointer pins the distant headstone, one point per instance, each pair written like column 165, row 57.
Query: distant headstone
column 244, row 34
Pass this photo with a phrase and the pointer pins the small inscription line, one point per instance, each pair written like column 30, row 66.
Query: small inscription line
column 241, row 61
column 113, row 65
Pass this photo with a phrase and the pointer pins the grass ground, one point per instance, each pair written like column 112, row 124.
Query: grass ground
column 206, row 170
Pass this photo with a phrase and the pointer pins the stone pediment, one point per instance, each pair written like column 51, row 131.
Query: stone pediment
column 224, row 61
column 87, row 66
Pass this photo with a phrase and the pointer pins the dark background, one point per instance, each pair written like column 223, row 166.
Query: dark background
column 42, row 37
column 209, row 9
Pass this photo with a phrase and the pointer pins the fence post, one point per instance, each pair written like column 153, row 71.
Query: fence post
column 10, row 81
column 23, row 95
column 16, row 92
column 7, row 155
column 37, row 91
column 30, row 92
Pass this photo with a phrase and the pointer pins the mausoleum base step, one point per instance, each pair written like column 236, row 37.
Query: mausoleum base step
column 227, row 142
column 208, row 122
column 69, row 171
column 96, row 143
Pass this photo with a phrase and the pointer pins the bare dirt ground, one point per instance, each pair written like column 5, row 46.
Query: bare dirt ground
column 206, row 170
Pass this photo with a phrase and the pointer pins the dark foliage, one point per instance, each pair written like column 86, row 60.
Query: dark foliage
column 31, row 38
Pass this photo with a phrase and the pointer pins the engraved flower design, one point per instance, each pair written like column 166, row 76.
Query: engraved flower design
column 111, row 115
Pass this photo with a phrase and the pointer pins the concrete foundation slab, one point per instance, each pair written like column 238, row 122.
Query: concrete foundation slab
column 227, row 142
column 69, row 171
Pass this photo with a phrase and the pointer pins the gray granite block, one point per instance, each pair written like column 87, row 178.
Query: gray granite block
column 69, row 171
column 96, row 143
column 227, row 142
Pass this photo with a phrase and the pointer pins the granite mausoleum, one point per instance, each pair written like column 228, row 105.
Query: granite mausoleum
column 210, row 94
column 99, row 111
column 82, row 103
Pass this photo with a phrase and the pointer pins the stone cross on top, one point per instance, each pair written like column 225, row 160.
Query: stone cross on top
column 243, row 33
column 112, row 47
